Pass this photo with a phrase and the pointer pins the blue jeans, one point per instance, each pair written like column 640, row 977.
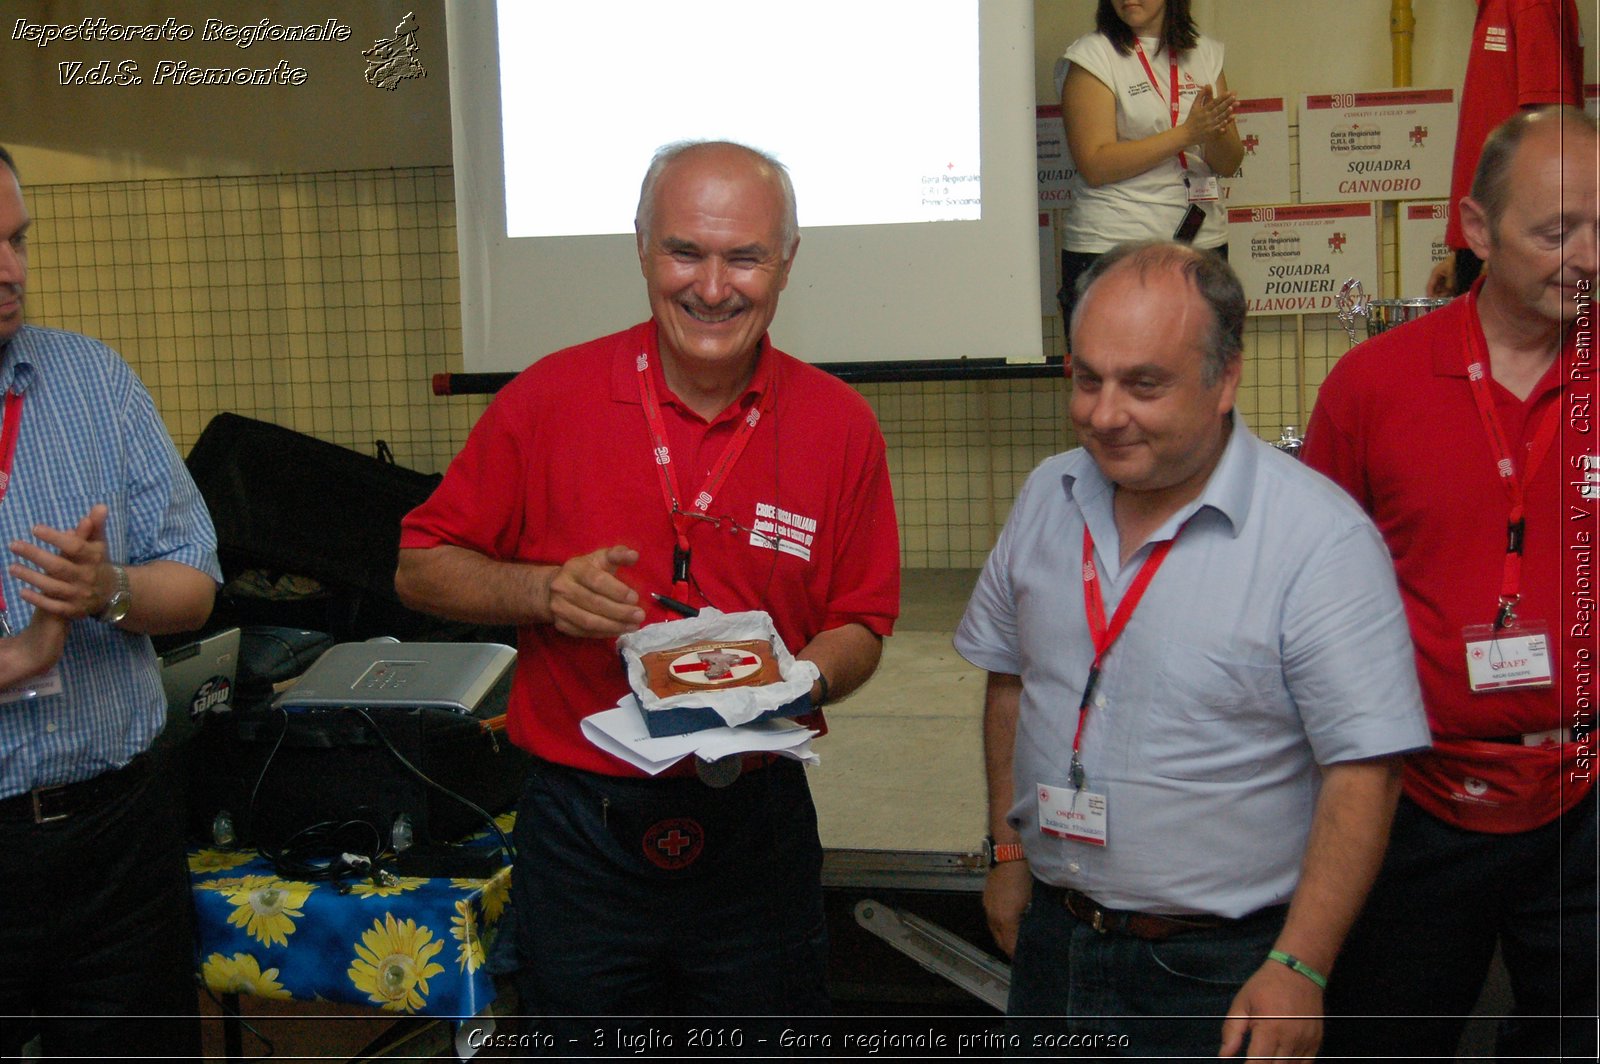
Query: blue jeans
column 1123, row 996
column 1414, row 965
column 667, row 898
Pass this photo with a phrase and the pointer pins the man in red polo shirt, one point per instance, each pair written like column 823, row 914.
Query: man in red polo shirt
column 1469, row 437
column 685, row 457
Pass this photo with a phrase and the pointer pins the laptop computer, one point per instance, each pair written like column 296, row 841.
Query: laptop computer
column 386, row 674
column 198, row 677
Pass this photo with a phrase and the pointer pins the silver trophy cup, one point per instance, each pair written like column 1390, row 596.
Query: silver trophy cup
column 1380, row 314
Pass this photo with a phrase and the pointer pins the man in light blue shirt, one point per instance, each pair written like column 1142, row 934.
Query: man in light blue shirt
column 1199, row 829
column 110, row 544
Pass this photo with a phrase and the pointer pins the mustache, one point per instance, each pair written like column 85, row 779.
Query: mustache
column 700, row 306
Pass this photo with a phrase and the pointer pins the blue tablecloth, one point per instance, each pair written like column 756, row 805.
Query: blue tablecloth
column 414, row 947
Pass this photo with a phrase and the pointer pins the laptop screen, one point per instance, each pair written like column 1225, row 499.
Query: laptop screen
column 198, row 677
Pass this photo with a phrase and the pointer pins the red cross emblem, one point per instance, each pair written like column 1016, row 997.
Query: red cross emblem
column 674, row 844
column 1250, row 144
column 1419, row 134
column 718, row 666
column 1337, row 241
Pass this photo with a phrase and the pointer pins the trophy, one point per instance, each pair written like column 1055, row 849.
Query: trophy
column 1289, row 441
column 1381, row 314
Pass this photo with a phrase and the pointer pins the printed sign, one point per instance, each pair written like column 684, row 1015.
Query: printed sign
column 1293, row 259
column 1263, row 176
column 1395, row 144
column 1421, row 244
column 1055, row 161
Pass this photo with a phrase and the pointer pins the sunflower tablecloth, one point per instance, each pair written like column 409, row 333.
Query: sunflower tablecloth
column 414, row 947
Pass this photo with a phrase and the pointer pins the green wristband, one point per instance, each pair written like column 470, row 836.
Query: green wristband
column 1298, row 965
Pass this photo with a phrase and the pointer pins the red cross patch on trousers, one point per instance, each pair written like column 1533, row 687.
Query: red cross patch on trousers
column 674, row 844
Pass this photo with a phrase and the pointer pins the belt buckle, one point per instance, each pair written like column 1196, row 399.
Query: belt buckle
column 1099, row 921
column 39, row 815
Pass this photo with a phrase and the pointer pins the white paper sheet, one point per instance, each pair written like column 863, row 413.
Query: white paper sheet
column 620, row 731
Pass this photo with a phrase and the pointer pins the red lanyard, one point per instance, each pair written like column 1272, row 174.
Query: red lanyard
column 1476, row 354
column 8, row 455
column 683, row 520
column 1183, row 160
column 1103, row 634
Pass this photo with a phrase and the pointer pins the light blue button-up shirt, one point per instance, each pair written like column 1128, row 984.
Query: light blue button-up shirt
column 1270, row 642
column 90, row 434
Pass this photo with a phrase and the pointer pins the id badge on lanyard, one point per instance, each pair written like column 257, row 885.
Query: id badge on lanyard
column 36, row 687
column 683, row 520
column 1517, row 655
column 1070, row 813
column 1511, row 652
column 1201, row 188
column 1073, row 811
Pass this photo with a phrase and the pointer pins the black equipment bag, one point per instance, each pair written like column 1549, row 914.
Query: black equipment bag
column 270, row 774
column 286, row 504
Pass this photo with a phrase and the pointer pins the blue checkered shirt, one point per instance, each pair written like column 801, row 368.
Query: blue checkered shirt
column 90, row 434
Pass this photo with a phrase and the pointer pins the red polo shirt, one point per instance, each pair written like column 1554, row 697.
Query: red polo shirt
column 1396, row 425
column 561, row 464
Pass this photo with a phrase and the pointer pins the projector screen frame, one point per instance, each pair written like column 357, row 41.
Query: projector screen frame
column 847, row 300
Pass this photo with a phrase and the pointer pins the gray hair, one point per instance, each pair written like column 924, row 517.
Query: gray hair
column 667, row 154
column 1491, row 181
column 1212, row 278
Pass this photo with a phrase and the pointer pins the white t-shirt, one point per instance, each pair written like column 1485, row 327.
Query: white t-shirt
column 1150, row 205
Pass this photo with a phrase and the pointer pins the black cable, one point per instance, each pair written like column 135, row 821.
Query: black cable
column 247, row 828
column 313, row 852
column 325, row 851
column 488, row 818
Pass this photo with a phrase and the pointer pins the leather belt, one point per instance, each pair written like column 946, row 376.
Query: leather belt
column 1151, row 927
column 49, row 805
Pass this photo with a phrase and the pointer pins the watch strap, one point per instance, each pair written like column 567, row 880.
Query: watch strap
column 117, row 605
column 1002, row 853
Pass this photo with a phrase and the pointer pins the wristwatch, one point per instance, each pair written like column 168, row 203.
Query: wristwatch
column 1002, row 853
column 121, row 597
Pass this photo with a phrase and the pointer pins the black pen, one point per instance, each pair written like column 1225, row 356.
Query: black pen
column 675, row 606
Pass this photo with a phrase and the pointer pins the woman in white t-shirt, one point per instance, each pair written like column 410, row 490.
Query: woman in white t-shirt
column 1140, row 167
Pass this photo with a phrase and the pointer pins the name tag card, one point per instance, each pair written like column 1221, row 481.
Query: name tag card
column 1068, row 813
column 1517, row 656
column 37, row 687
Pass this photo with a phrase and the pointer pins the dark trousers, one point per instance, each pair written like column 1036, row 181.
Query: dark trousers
column 1414, row 965
column 96, row 931
column 1114, row 995
column 652, row 898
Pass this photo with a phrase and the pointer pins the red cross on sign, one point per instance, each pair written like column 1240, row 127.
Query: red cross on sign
column 1337, row 241
column 1250, row 144
column 1419, row 134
